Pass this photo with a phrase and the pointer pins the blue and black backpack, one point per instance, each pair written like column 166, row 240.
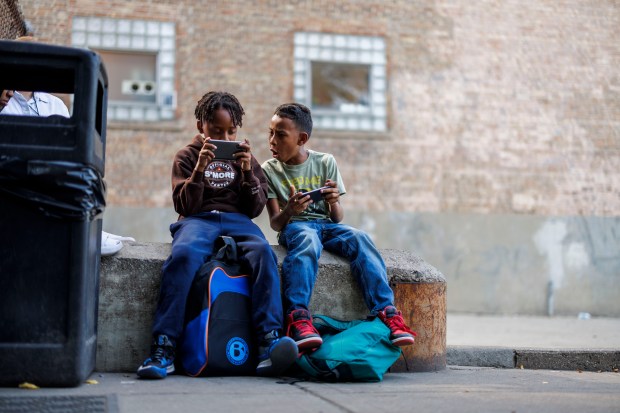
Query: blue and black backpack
column 218, row 339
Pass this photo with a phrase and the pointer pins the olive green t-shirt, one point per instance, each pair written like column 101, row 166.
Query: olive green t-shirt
column 307, row 176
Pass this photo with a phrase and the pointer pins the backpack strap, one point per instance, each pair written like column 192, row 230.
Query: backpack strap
column 226, row 249
column 328, row 325
column 318, row 369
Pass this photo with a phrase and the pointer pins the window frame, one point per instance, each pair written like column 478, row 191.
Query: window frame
column 346, row 49
column 141, row 36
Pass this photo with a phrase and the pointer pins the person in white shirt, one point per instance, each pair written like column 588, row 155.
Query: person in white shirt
column 35, row 104
column 43, row 104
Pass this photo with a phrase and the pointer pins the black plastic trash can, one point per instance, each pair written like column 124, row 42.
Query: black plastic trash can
column 52, row 198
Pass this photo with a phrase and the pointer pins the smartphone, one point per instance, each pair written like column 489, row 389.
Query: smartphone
column 226, row 149
column 315, row 194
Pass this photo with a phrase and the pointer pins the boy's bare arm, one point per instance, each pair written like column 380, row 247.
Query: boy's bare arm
column 297, row 203
column 277, row 220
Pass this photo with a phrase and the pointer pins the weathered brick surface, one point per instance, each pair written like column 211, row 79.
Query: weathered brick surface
column 494, row 107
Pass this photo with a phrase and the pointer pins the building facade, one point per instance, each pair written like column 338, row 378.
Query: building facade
column 484, row 136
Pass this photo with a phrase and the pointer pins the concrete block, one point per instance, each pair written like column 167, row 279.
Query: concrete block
column 130, row 281
column 128, row 291
column 423, row 305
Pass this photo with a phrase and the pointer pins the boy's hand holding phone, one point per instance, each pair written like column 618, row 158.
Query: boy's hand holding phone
column 315, row 195
column 226, row 150
column 206, row 154
column 213, row 149
column 297, row 202
column 244, row 155
column 330, row 193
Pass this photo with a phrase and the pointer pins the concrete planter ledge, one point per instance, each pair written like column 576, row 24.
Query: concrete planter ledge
column 129, row 287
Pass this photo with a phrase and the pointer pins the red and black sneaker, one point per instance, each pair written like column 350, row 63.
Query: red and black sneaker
column 301, row 330
column 401, row 335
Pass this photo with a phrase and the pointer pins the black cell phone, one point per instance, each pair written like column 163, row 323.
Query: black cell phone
column 315, row 194
column 226, row 149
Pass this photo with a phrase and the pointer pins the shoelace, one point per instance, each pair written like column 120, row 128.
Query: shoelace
column 158, row 354
column 303, row 326
column 396, row 322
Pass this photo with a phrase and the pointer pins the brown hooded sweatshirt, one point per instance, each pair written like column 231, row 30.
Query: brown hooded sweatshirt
column 223, row 187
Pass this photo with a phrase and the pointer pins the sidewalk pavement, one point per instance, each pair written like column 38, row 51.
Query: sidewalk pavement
column 455, row 389
column 553, row 333
column 563, row 343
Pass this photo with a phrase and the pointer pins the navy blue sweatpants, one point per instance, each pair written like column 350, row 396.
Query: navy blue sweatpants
column 193, row 239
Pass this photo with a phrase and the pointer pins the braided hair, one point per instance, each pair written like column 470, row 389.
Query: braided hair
column 213, row 101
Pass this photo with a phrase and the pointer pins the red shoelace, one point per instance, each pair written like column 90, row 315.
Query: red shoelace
column 303, row 327
column 397, row 324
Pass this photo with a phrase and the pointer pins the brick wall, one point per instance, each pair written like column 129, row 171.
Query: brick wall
column 494, row 106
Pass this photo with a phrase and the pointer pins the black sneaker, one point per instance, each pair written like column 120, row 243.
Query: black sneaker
column 301, row 330
column 161, row 362
column 275, row 354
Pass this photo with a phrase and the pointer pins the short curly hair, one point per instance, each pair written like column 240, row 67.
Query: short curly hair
column 298, row 113
column 213, row 101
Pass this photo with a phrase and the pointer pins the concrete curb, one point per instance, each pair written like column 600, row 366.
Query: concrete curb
column 480, row 356
column 536, row 359
column 585, row 360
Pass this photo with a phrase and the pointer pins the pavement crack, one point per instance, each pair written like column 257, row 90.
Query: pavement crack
column 325, row 399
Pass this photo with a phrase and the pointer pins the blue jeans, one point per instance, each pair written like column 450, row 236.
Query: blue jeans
column 193, row 239
column 305, row 240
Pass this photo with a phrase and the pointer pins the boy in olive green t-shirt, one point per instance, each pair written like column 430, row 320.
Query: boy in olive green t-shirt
column 306, row 227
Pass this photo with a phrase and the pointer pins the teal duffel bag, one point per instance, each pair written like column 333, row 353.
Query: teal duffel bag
column 358, row 350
